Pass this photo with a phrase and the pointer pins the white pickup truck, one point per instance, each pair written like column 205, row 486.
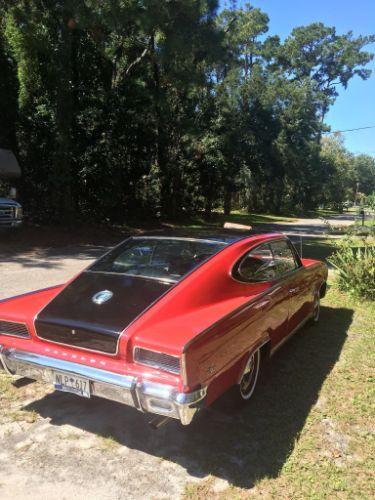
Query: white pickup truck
column 10, row 210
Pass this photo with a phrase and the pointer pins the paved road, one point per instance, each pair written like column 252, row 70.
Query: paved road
column 30, row 269
column 317, row 227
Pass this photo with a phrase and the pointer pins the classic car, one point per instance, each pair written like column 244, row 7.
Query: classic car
column 165, row 324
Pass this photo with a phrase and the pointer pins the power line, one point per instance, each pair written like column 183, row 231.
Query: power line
column 349, row 130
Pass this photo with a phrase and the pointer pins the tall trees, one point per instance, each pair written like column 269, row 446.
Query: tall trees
column 343, row 174
column 8, row 100
column 330, row 60
column 167, row 106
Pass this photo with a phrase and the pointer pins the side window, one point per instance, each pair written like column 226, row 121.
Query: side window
column 283, row 256
column 257, row 265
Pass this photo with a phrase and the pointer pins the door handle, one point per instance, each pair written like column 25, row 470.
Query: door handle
column 293, row 290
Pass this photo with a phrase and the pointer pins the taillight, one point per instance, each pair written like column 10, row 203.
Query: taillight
column 156, row 359
column 14, row 329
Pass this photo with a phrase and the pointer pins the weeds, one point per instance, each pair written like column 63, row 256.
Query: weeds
column 355, row 264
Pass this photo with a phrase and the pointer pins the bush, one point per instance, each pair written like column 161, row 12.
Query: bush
column 354, row 260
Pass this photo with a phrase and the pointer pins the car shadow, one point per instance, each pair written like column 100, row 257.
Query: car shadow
column 239, row 445
column 50, row 258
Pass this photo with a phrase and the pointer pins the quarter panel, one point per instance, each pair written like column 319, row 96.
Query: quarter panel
column 217, row 353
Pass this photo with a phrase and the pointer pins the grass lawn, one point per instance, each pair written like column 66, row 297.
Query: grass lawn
column 310, row 431
column 367, row 222
column 317, row 248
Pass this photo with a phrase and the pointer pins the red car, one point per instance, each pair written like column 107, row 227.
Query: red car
column 165, row 324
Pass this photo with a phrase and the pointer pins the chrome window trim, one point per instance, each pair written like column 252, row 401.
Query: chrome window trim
column 161, row 280
column 271, row 282
column 296, row 258
column 156, row 238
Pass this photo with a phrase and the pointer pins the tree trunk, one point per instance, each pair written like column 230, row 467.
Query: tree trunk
column 208, row 206
column 227, row 201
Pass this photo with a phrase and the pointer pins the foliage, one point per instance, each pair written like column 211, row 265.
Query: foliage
column 370, row 200
column 168, row 107
column 344, row 177
column 355, row 266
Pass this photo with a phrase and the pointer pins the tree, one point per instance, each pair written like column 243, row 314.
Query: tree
column 338, row 181
column 8, row 93
column 364, row 172
column 330, row 60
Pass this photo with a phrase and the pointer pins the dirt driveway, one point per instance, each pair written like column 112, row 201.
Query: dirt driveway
column 59, row 446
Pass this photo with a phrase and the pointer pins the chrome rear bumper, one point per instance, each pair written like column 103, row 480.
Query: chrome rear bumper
column 145, row 396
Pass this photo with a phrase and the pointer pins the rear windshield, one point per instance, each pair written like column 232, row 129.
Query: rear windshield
column 159, row 258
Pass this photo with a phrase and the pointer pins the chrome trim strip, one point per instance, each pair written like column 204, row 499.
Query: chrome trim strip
column 183, row 373
column 162, row 399
column 180, row 238
column 152, row 278
column 13, row 356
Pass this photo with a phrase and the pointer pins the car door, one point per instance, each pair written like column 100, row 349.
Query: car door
column 295, row 281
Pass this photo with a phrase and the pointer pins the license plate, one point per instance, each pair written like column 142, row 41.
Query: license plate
column 71, row 383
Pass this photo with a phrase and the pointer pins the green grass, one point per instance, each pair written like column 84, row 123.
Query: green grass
column 317, row 248
column 314, row 438
column 367, row 222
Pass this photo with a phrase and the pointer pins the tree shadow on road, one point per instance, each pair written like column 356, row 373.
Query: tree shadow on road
column 241, row 446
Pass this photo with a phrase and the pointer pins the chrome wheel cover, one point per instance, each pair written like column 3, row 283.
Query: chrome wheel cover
column 316, row 312
column 250, row 376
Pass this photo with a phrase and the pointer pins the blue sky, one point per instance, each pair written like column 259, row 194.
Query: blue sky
column 355, row 106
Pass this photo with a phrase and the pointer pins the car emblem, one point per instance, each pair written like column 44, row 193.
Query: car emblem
column 73, row 332
column 101, row 297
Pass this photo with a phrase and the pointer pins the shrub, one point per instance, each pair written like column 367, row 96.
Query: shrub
column 354, row 260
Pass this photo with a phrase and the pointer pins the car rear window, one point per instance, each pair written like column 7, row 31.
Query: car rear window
column 159, row 258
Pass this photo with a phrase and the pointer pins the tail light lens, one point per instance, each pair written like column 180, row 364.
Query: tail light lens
column 157, row 360
column 14, row 329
